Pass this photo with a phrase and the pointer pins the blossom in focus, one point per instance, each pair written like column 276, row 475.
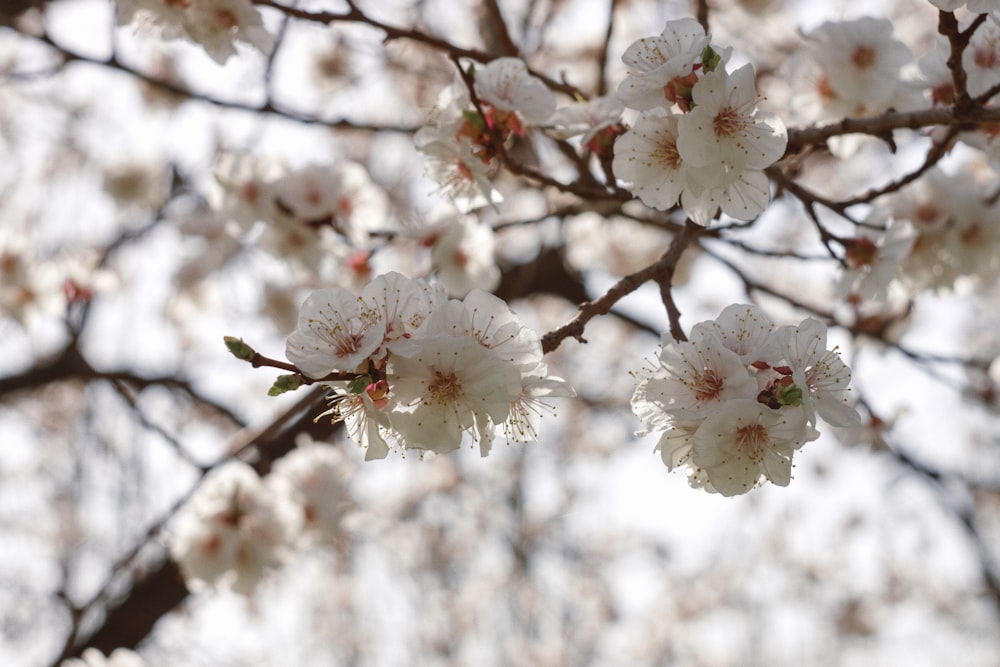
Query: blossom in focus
column 336, row 331
column 820, row 373
column 662, row 68
column 695, row 377
column 736, row 400
column 647, row 157
column 423, row 371
column 725, row 130
column 744, row 441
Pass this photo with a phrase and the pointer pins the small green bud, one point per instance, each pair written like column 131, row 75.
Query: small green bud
column 239, row 349
column 790, row 395
column 710, row 59
column 359, row 384
column 285, row 383
column 473, row 118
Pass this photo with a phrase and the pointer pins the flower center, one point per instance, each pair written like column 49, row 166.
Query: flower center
column 863, row 56
column 445, row 388
column 728, row 122
column 985, row 57
column 666, row 153
column 752, row 438
column 708, row 386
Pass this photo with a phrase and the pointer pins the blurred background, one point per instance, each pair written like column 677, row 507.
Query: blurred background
column 125, row 257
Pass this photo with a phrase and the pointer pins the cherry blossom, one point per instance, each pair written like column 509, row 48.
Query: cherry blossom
column 821, row 372
column 861, row 63
column 736, row 400
column 336, row 331
column 231, row 530
column 974, row 6
column 744, row 441
column 315, row 477
column 506, row 86
column 450, row 386
column 647, row 157
column 662, row 68
column 694, row 377
column 462, row 255
column 213, row 24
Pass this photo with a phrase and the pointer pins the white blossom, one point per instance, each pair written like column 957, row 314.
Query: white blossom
column 507, row 86
column 336, row 331
column 658, row 65
column 231, row 530
column 743, row 441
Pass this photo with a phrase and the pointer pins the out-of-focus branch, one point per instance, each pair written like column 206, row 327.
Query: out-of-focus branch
column 268, row 107
column 71, row 365
column 156, row 589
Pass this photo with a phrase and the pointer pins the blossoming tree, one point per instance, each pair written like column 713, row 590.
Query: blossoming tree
column 337, row 311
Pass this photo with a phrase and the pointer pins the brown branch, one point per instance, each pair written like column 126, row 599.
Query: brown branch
column 71, row 365
column 602, row 59
column 157, row 588
column 268, row 107
column 661, row 269
column 355, row 15
column 957, row 43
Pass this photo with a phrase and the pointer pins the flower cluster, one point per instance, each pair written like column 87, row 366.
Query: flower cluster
column 738, row 398
column 700, row 139
column 938, row 231
column 407, row 363
column 853, row 68
column 213, row 24
column 462, row 145
column 238, row 526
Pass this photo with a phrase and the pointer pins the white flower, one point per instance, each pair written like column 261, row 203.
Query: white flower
column 745, row 440
column 974, row 6
column 462, row 256
column 744, row 329
column 463, row 176
column 450, row 386
column 315, row 477
column 523, row 422
column 243, row 194
column 740, row 194
column 820, row 373
column 336, row 331
column 402, row 306
column 656, row 62
column 647, row 157
column 231, row 530
column 725, row 131
column 874, row 260
column 341, row 197
column 861, row 61
column 507, row 86
column 214, row 24
column 587, row 118
column 497, row 328
column 693, row 379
